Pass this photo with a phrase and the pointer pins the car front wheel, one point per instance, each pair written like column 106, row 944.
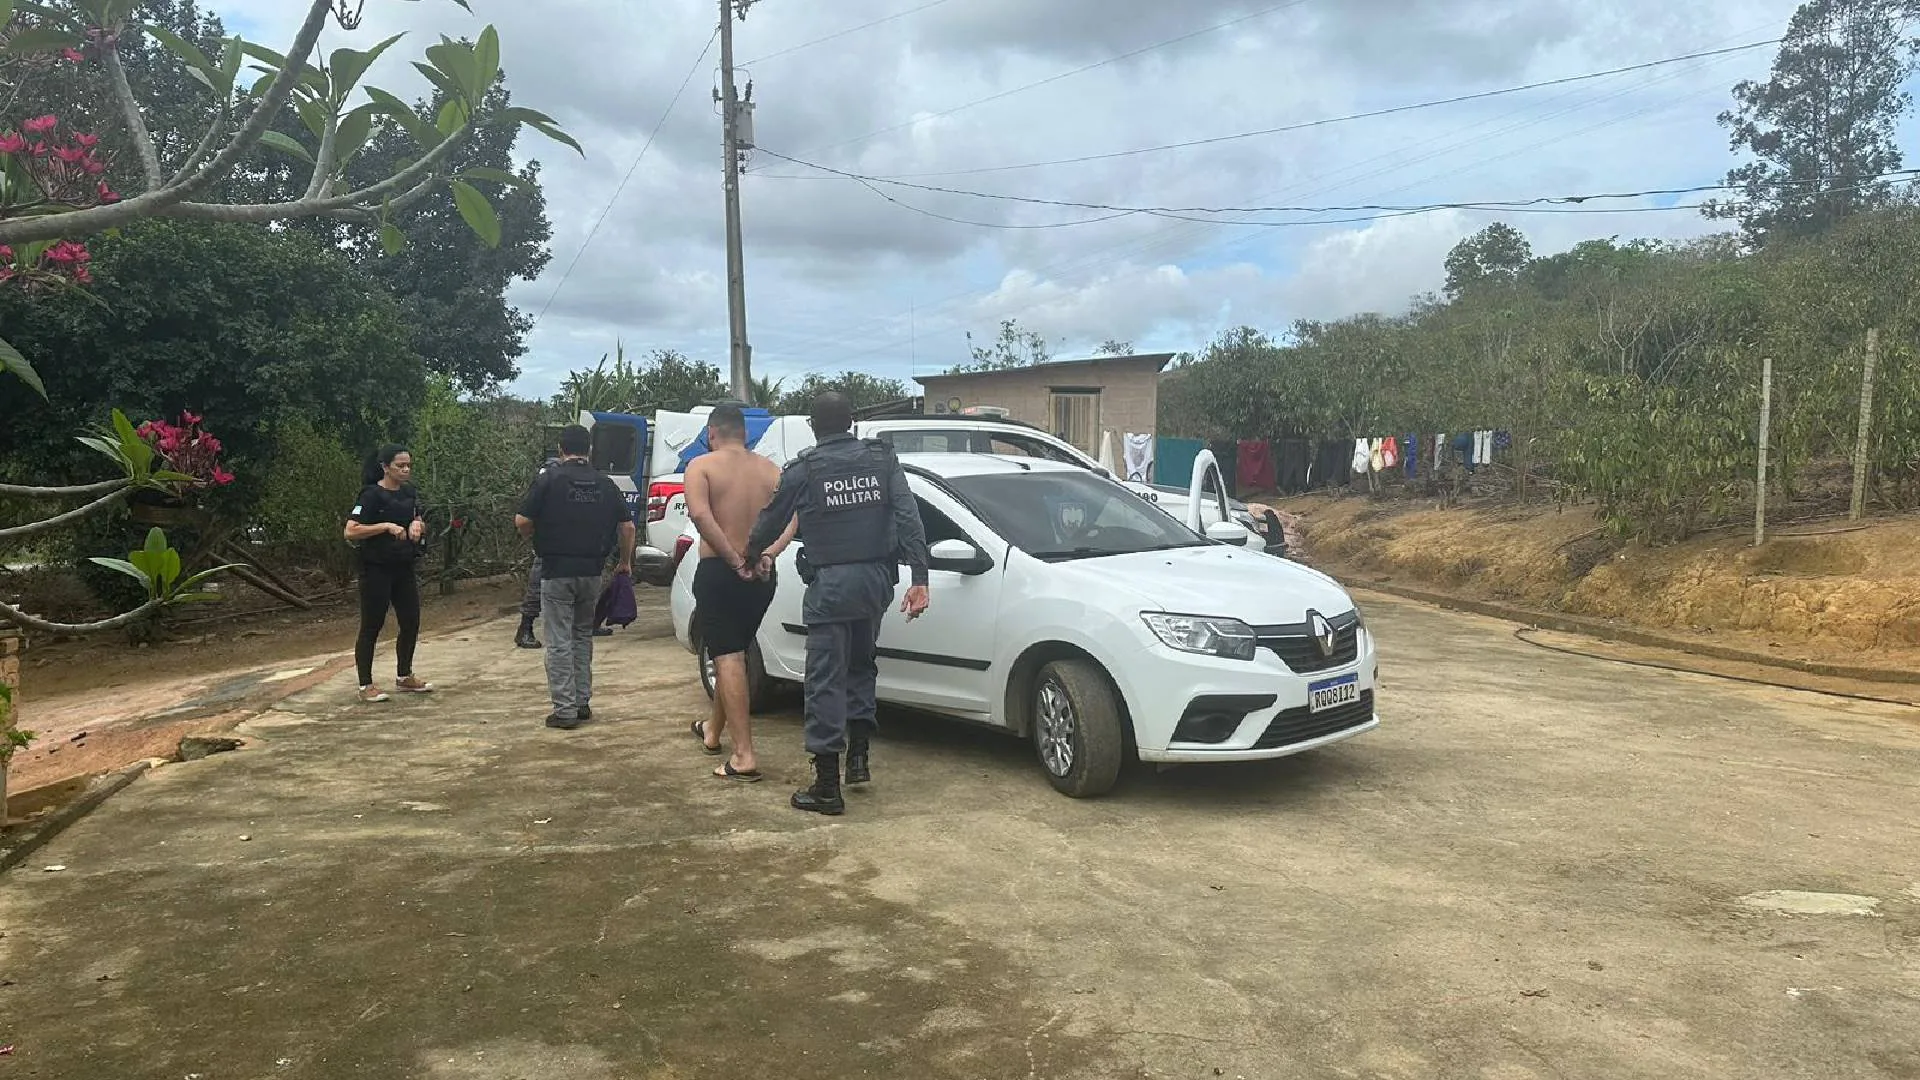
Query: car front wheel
column 1078, row 728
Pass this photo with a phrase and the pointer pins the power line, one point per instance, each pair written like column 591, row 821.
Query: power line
column 1541, row 203
column 1062, row 75
column 631, row 169
column 843, row 33
column 1303, row 126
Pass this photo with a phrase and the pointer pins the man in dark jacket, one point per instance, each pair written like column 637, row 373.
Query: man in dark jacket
column 574, row 515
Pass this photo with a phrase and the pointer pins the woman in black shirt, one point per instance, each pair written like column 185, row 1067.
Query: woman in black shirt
column 388, row 528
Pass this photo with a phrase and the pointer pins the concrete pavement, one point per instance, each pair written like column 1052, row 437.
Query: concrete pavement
column 1540, row 866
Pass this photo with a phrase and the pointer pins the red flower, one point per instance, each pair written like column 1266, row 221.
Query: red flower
column 221, row 476
column 73, row 56
column 40, row 125
column 107, row 194
column 189, row 419
column 92, row 167
column 72, row 155
column 12, row 143
column 459, row 523
column 88, row 141
column 82, row 276
column 66, row 251
column 208, row 443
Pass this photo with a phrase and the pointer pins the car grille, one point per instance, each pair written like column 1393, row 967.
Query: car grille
column 1295, row 646
column 1299, row 725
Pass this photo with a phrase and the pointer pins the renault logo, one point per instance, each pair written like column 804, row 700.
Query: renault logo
column 1322, row 632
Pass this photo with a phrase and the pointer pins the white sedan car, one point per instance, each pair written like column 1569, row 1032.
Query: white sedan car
column 1068, row 611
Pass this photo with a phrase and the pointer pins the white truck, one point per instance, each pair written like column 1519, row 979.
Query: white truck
column 679, row 437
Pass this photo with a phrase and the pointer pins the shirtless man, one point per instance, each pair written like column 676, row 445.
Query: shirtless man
column 726, row 490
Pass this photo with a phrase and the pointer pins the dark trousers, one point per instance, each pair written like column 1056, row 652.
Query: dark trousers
column 530, row 602
column 384, row 585
column 841, row 672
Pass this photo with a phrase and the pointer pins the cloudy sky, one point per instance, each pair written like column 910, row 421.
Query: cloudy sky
column 934, row 93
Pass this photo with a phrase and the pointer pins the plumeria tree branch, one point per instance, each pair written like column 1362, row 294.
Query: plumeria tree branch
column 71, row 517
column 27, row 621
column 136, row 120
column 76, row 491
column 319, row 92
column 152, row 203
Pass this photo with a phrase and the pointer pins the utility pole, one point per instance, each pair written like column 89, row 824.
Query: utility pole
column 740, row 353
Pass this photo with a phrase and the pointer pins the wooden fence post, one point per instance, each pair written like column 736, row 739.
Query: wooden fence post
column 1766, row 424
column 1866, row 426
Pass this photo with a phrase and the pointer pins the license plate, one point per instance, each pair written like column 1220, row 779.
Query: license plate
column 1333, row 693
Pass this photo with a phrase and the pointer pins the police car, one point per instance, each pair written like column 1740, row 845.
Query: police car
column 1067, row 611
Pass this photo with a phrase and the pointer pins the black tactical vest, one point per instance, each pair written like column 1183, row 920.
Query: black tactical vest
column 576, row 521
column 847, row 515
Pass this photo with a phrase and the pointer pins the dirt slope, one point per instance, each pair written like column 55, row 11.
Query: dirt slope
column 1829, row 591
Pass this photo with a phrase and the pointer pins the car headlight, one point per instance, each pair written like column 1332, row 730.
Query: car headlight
column 1359, row 617
column 1228, row 638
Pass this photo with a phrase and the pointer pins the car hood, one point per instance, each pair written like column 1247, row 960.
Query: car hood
column 1216, row 579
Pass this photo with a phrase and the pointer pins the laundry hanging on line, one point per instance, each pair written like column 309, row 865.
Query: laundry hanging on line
column 1139, row 457
column 1174, row 458
column 1256, row 467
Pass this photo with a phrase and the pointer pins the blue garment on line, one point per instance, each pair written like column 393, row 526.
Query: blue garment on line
column 1410, row 454
column 758, row 421
column 1173, row 460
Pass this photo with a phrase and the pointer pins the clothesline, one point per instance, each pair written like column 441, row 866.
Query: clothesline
column 1294, row 466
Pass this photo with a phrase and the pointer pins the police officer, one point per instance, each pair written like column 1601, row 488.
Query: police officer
column 859, row 522
column 530, row 601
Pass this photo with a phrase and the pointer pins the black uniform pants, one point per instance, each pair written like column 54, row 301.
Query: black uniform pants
column 384, row 585
column 841, row 697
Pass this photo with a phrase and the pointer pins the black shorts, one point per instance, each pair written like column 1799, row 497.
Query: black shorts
column 728, row 608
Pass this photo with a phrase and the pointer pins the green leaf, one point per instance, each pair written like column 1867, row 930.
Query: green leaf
column 230, row 59
column 520, row 114
column 156, row 545
column 423, row 132
column 350, row 65
column 438, row 78
column 477, row 211
column 16, row 365
column 459, row 61
column 486, row 55
column 314, row 114
column 6, row 12
column 40, row 39
column 392, row 239
column 195, row 59
column 284, row 143
column 559, row 136
column 196, row 580
column 168, row 477
column 126, row 568
column 496, row 176
column 169, row 568
column 453, row 116
column 355, row 128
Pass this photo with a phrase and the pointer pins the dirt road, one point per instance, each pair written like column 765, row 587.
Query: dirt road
column 1539, row 866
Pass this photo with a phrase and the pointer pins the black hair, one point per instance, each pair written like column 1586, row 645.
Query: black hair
column 375, row 468
column 728, row 419
column 832, row 413
column 576, row 440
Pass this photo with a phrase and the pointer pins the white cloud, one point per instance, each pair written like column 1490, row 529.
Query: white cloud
column 838, row 276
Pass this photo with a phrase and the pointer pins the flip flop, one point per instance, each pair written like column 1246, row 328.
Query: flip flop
column 699, row 730
column 726, row 771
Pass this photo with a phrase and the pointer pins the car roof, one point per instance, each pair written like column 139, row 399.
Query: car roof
column 956, row 465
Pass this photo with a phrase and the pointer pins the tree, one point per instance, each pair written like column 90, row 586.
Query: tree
column 1822, row 127
column 1494, row 255
column 319, row 93
column 862, row 389
column 1112, row 347
column 452, row 283
column 1014, row 348
column 666, row 379
column 242, row 325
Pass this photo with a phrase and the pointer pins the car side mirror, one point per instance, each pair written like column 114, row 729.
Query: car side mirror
column 958, row 556
column 1227, row 532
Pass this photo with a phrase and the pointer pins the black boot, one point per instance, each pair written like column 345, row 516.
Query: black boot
column 824, row 796
column 525, row 639
column 858, row 768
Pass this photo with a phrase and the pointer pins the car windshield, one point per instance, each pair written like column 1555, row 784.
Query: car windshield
column 1055, row 515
